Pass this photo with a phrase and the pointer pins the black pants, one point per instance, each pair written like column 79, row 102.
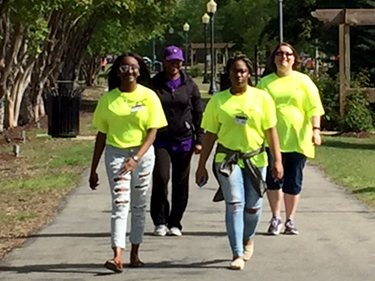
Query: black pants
column 160, row 207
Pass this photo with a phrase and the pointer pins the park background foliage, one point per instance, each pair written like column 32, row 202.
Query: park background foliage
column 46, row 41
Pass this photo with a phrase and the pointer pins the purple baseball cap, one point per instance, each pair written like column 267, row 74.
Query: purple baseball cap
column 173, row 53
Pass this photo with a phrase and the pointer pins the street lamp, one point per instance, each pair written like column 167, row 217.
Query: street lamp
column 281, row 28
column 186, row 28
column 153, row 54
column 211, row 9
column 205, row 20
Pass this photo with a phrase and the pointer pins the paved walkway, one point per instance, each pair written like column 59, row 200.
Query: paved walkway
column 336, row 241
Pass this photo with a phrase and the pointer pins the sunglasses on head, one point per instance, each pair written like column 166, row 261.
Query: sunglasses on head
column 126, row 67
column 281, row 54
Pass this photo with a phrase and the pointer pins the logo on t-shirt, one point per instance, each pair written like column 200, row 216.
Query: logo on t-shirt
column 137, row 107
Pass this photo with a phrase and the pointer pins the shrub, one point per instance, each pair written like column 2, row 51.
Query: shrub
column 195, row 70
column 358, row 113
column 329, row 90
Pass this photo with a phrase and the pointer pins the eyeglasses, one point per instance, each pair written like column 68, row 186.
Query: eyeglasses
column 281, row 54
column 126, row 67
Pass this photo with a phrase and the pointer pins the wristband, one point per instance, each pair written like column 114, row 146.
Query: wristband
column 316, row 128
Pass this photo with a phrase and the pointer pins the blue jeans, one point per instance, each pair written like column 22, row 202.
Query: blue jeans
column 128, row 191
column 243, row 206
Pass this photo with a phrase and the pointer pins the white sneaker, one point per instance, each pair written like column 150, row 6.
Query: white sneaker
column 174, row 231
column 160, row 230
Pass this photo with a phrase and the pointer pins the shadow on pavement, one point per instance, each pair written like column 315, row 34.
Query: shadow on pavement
column 56, row 268
column 94, row 268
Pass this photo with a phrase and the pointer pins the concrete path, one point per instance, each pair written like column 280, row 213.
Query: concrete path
column 336, row 241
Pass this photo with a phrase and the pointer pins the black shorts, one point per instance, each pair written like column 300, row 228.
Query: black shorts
column 293, row 163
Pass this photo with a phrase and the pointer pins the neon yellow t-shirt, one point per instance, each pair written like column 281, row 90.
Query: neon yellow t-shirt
column 240, row 121
column 297, row 100
column 126, row 117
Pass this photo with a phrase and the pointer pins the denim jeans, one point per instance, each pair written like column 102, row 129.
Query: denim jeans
column 240, row 198
column 128, row 191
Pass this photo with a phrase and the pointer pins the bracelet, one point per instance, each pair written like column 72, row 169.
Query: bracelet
column 316, row 128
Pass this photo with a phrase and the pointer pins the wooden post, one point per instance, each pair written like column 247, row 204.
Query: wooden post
column 347, row 54
column 23, row 136
column 16, row 150
column 344, row 56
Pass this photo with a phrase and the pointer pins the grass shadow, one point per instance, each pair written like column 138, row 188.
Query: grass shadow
column 370, row 189
column 347, row 145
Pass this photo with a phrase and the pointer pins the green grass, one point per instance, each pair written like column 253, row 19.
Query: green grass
column 350, row 162
column 25, row 216
column 47, row 162
column 77, row 155
column 203, row 88
column 42, row 182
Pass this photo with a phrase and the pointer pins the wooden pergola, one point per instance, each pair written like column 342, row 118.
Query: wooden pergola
column 220, row 48
column 344, row 18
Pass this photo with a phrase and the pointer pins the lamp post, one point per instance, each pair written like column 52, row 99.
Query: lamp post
column 153, row 54
column 211, row 9
column 205, row 20
column 186, row 28
column 281, row 27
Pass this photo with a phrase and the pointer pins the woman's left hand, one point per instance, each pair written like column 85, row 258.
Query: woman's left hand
column 197, row 148
column 316, row 138
column 277, row 171
column 128, row 166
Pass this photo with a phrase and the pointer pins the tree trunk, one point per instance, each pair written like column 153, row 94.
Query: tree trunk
column 2, row 114
column 78, row 42
column 90, row 69
column 49, row 62
column 21, row 82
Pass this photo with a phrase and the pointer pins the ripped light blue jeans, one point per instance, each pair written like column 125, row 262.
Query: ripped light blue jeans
column 128, row 191
column 243, row 206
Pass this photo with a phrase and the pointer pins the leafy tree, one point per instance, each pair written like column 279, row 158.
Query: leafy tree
column 43, row 41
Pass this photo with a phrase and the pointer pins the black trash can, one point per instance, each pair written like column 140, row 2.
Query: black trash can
column 63, row 110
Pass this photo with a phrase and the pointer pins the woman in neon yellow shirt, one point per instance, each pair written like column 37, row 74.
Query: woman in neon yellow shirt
column 298, row 109
column 241, row 119
column 127, row 119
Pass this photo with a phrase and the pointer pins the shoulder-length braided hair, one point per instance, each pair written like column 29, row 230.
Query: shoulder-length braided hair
column 246, row 60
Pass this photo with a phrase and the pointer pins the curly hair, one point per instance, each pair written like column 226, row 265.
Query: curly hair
column 114, row 80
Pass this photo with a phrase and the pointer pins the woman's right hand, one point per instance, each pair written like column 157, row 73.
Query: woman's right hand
column 201, row 175
column 93, row 180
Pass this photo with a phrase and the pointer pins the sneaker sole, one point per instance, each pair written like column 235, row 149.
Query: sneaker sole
column 275, row 233
column 291, row 233
column 174, row 234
